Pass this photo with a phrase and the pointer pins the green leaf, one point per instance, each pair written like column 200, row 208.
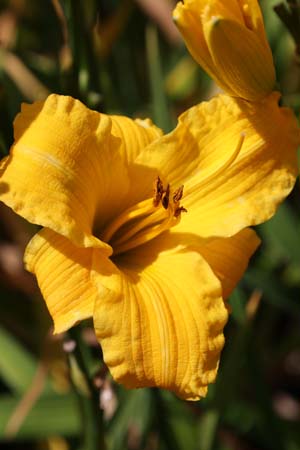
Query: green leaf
column 237, row 302
column 174, row 421
column 17, row 365
column 208, row 426
column 282, row 233
column 273, row 290
column 55, row 415
column 135, row 411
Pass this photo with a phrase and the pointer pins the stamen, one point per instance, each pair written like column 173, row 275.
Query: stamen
column 152, row 219
column 165, row 197
column 179, row 210
column 145, row 236
column 140, row 209
column 145, row 220
column 177, row 196
column 158, row 191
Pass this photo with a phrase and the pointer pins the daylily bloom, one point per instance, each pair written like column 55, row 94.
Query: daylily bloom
column 228, row 40
column 145, row 232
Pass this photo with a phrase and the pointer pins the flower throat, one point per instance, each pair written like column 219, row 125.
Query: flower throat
column 145, row 220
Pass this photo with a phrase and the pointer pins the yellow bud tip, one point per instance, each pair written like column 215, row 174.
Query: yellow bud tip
column 215, row 20
column 246, row 8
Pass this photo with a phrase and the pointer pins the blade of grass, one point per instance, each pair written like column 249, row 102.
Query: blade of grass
column 25, row 80
column 162, row 421
column 180, row 420
column 161, row 115
column 273, row 291
column 55, row 415
column 207, row 430
column 290, row 15
column 134, row 412
column 269, row 426
column 86, row 69
column 13, row 359
column 237, row 302
column 283, row 232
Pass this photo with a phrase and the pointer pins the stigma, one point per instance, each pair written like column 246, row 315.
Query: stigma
column 145, row 220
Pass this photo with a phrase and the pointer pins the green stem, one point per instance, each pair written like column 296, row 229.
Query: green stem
column 88, row 395
column 162, row 422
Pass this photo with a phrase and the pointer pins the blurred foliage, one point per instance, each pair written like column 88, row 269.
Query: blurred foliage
column 121, row 56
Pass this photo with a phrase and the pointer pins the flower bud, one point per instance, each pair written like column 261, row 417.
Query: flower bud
column 229, row 42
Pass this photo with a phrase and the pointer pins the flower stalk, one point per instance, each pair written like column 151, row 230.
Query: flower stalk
column 88, row 396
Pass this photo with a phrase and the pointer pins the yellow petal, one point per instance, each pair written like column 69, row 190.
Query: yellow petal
column 188, row 20
column 244, row 12
column 173, row 156
column 247, row 68
column 68, row 168
column 189, row 17
column 253, row 18
column 224, row 191
column 159, row 317
column 229, row 257
column 57, row 174
column 63, row 274
column 230, row 192
column 134, row 135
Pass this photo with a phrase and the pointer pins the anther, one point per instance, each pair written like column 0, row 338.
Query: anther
column 158, row 192
column 144, row 221
column 179, row 210
column 166, row 197
column 177, row 196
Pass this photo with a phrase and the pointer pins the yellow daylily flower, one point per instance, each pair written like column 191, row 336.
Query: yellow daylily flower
column 145, row 232
column 228, row 40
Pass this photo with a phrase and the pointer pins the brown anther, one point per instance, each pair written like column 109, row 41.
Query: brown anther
column 166, row 197
column 179, row 210
column 158, row 191
column 177, row 196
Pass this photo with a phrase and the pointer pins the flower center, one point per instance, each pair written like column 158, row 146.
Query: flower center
column 145, row 220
